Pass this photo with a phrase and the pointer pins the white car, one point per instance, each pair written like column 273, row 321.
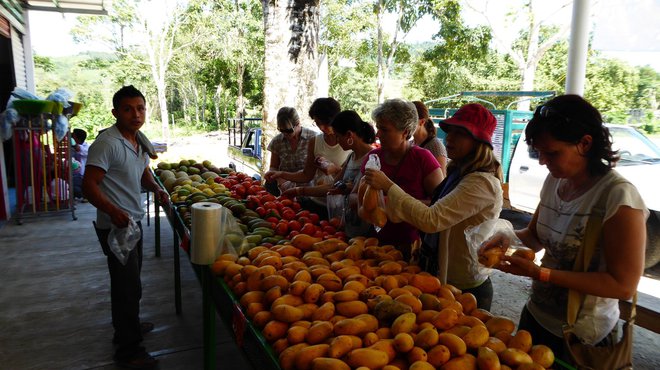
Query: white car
column 639, row 163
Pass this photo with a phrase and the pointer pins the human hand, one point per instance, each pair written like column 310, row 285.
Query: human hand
column 272, row 175
column 377, row 180
column 518, row 266
column 162, row 195
column 119, row 218
column 491, row 251
column 292, row 192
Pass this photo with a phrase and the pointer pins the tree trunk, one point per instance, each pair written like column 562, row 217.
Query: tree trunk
column 291, row 33
column 380, row 81
column 240, row 99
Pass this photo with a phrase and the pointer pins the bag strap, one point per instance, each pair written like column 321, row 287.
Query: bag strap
column 586, row 252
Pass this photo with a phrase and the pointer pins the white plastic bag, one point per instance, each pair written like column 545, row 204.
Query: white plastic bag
column 369, row 209
column 475, row 236
column 123, row 240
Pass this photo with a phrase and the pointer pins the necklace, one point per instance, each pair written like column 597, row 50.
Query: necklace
column 566, row 197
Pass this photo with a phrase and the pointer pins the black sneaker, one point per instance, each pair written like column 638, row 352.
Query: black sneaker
column 145, row 327
column 141, row 360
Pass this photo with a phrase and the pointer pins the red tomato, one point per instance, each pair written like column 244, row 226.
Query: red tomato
column 308, row 229
column 273, row 213
column 315, row 218
column 288, row 213
column 267, row 245
column 261, row 211
column 270, row 205
column 335, row 222
column 279, row 205
column 268, row 197
column 296, row 206
column 303, row 213
column 324, row 223
column 218, row 180
column 254, row 189
column 341, row 235
column 318, row 234
column 293, row 233
column 281, row 228
column 287, row 202
column 294, row 225
column 329, row 229
column 273, row 220
column 304, row 220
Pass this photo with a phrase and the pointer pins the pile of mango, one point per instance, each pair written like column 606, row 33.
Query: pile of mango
column 328, row 304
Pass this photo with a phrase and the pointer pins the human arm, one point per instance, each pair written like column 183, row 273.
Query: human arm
column 147, row 181
column 472, row 195
column 442, row 160
column 623, row 242
column 432, row 180
column 92, row 191
column 274, row 166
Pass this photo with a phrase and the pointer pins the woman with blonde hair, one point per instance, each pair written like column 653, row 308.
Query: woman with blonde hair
column 469, row 195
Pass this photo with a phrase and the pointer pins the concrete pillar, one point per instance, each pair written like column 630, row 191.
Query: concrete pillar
column 578, row 47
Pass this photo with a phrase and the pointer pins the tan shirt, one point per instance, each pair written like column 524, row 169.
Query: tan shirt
column 477, row 198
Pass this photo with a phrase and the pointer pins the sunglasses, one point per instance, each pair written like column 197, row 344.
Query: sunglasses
column 549, row 112
column 285, row 130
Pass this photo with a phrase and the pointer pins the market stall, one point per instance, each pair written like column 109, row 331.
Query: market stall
column 297, row 294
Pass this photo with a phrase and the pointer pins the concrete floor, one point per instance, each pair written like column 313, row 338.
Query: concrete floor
column 55, row 300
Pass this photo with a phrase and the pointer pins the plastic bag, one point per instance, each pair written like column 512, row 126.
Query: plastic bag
column 123, row 240
column 335, row 203
column 233, row 239
column 8, row 119
column 371, row 202
column 61, row 96
column 61, row 127
column 475, row 236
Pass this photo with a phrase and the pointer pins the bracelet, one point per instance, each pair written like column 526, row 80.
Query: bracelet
column 544, row 274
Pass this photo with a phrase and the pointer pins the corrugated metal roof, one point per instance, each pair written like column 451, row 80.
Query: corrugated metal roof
column 69, row 6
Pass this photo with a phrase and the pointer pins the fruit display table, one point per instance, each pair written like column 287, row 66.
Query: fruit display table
column 217, row 298
column 299, row 295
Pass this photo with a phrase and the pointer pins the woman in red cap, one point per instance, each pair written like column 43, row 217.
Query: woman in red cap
column 469, row 195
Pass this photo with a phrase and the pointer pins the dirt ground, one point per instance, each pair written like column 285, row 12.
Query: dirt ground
column 511, row 291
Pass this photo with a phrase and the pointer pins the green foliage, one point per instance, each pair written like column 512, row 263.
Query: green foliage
column 45, row 63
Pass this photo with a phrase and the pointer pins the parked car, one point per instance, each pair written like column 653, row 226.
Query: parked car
column 639, row 163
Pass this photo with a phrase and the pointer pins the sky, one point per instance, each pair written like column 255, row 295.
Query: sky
column 627, row 30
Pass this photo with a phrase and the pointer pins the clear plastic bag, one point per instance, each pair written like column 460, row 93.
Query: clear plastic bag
column 123, row 240
column 233, row 239
column 371, row 202
column 335, row 203
column 476, row 236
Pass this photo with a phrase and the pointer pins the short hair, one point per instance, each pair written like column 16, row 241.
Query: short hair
column 288, row 115
column 402, row 114
column 80, row 134
column 349, row 120
column 126, row 92
column 568, row 118
column 423, row 113
column 324, row 109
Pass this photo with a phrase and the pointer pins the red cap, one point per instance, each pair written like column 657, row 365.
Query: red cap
column 473, row 117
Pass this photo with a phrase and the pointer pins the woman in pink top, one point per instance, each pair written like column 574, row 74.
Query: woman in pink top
column 413, row 168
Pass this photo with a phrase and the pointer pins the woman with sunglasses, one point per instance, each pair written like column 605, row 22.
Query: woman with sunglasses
column 324, row 159
column 572, row 142
column 469, row 195
column 289, row 148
